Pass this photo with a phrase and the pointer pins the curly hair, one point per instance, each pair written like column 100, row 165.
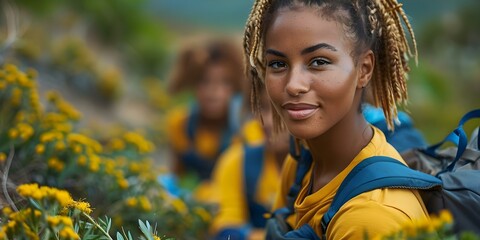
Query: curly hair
column 378, row 25
column 194, row 60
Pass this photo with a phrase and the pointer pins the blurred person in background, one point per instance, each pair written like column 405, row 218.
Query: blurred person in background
column 247, row 177
column 198, row 134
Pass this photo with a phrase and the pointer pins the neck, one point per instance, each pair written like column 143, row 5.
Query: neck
column 336, row 148
column 213, row 124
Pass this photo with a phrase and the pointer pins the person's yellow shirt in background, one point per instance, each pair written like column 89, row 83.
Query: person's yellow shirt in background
column 204, row 144
column 229, row 180
column 376, row 212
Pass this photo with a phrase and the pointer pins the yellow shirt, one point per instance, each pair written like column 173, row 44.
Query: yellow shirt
column 376, row 212
column 204, row 142
column 228, row 177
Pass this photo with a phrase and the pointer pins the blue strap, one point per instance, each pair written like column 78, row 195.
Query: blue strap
column 252, row 168
column 239, row 233
column 192, row 122
column 303, row 165
column 374, row 173
column 458, row 137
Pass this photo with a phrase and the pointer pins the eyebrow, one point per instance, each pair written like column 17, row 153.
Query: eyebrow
column 318, row 46
column 275, row 52
column 304, row 51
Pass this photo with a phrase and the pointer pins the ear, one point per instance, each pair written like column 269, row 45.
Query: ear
column 366, row 64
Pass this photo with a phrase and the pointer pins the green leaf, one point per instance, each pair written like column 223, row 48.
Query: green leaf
column 145, row 229
column 119, row 236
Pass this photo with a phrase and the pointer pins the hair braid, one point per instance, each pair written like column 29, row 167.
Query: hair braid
column 392, row 52
column 253, row 56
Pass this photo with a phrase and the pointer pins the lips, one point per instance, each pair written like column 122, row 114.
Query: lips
column 300, row 111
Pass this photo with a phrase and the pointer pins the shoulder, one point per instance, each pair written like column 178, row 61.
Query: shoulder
column 232, row 158
column 377, row 212
column 177, row 117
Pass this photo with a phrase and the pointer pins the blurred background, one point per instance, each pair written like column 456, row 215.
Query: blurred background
column 111, row 58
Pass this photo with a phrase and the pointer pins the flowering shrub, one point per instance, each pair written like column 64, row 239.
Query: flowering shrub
column 51, row 213
column 40, row 143
column 436, row 227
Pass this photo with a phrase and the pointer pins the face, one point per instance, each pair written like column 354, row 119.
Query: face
column 213, row 93
column 311, row 77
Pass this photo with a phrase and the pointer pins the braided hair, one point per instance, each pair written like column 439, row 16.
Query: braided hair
column 378, row 25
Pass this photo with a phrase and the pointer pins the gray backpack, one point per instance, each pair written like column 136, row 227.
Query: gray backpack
column 459, row 170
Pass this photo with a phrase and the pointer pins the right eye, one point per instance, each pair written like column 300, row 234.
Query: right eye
column 276, row 65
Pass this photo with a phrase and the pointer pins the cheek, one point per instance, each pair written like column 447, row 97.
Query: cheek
column 338, row 87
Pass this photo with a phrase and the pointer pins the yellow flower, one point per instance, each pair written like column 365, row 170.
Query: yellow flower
column 40, row 148
column 134, row 167
column 13, row 133
column 145, row 203
column 143, row 146
column 75, row 138
column 179, row 206
column 25, row 130
column 204, row 214
column 3, row 85
column 63, row 197
column 30, row 190
column 10, row 68
column 23, row 80
column 82, row 206
column 77, row 148
column 116, row 144
column 68, row 233
column 11, row 224
column 16, row 97
column 131, row 202
column 6, row 211
column 53, row 220
column 122, row 183
column 3, row 157
column 55, row 164
column 82, row 160
column 60, row 146
column 50, row 136
column 156, row 238
column 446, row 216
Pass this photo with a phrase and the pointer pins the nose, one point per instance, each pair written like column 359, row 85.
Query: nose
column 298, row 82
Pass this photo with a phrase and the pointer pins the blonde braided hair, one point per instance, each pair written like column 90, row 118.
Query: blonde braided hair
column 385, row 35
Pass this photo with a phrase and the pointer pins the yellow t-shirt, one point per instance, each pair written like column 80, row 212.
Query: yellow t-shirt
column 376, row 212
column 205, row 143
column 228, row 177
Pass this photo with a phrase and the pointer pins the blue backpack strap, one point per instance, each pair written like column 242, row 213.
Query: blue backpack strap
column 252, row 168
column 375, row 173
column 192, row 121
column 303, row 165
column 458, row 137
column 304, row 161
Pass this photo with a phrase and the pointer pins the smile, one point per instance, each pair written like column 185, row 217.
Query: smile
column 300, row 111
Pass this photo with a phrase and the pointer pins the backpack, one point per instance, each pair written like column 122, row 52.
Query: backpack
column 451, row 188
column 459, row 169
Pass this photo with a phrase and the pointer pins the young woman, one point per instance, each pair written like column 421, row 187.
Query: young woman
column 315, row 58
column 198, row 134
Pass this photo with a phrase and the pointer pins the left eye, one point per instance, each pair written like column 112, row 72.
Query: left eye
column 319, row 62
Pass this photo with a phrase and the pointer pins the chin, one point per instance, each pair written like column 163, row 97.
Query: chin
column 303, row 131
